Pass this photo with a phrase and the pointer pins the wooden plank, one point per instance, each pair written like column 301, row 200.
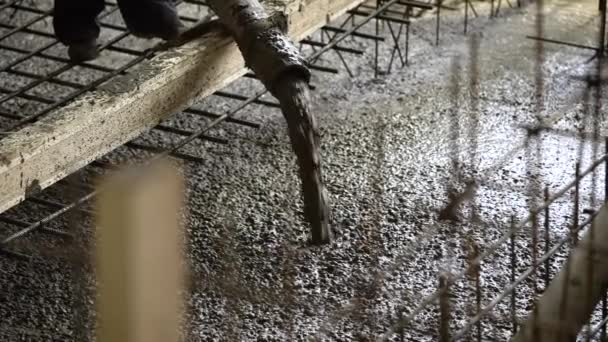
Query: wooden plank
column 47, row 151
column 139, row 256
column 568, row 302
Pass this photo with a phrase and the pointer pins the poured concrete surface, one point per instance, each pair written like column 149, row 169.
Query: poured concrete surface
column 38, row 155
column 386, row 155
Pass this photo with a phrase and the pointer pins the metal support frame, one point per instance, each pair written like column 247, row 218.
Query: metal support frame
column 397, row 16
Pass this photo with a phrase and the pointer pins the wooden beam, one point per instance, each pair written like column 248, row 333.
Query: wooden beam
column 139, row 256
column 568, row 303
column 98, row 122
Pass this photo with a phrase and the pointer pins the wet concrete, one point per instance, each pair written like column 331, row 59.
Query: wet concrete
column 387, row 161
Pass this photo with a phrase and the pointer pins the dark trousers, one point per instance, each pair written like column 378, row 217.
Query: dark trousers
column 75, row 21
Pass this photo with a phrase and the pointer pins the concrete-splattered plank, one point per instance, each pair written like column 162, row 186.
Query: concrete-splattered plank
column 66, row 140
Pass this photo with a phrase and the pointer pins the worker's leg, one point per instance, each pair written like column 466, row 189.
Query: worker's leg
column 151, row 18
column 75, row 25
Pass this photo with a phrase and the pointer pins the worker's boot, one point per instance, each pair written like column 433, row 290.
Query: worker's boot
column 75, row 25
column 82, row 52
column 169, row 30
column 151, row 18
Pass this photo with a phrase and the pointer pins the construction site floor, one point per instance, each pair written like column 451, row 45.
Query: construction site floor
column 387, row 149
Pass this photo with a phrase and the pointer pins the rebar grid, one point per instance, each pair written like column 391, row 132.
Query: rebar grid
column 131, row 57
column 330, row 36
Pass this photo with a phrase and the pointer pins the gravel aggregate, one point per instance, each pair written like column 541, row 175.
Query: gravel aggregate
column 387, row 163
